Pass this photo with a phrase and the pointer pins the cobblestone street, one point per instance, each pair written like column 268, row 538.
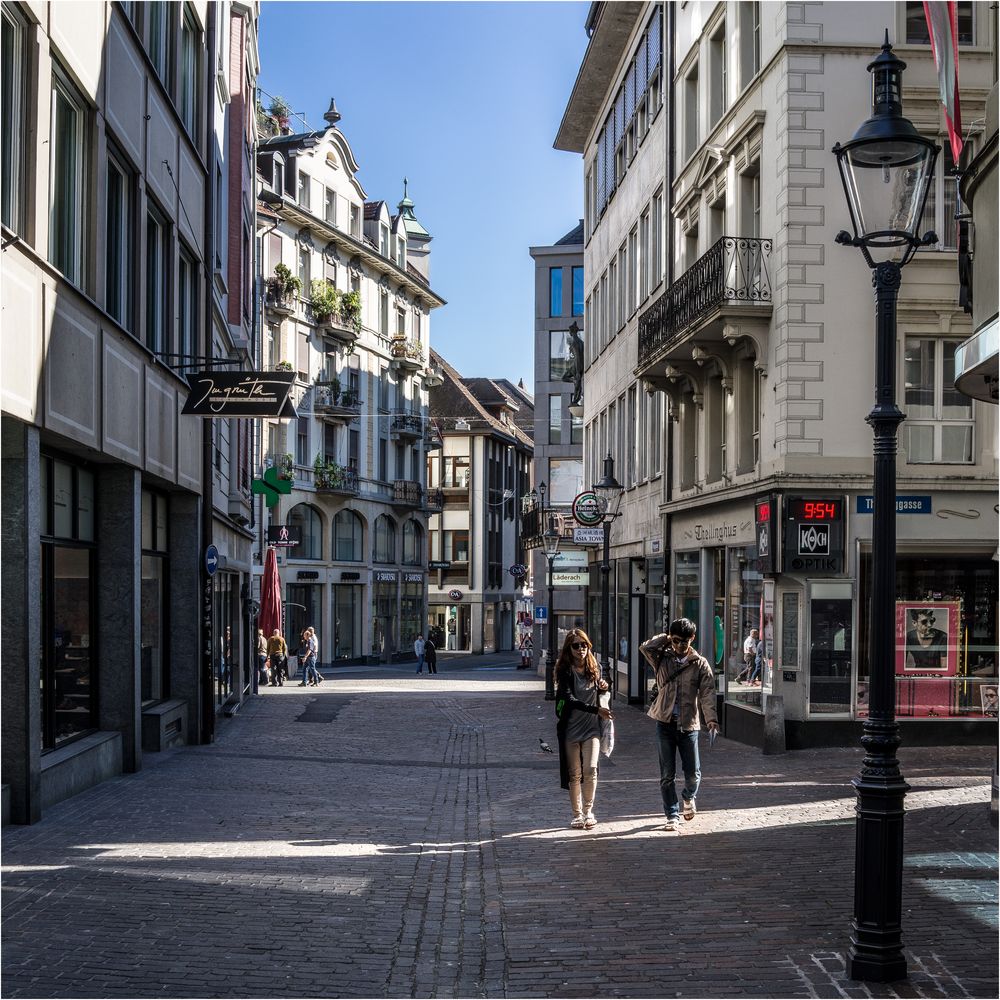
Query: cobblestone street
column 394, row 835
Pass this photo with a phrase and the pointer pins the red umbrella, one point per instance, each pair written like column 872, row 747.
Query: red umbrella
column 270, row 595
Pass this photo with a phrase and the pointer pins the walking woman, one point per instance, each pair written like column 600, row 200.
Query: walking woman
column 578, row 690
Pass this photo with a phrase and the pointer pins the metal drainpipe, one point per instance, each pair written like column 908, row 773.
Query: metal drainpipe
column 207, row 728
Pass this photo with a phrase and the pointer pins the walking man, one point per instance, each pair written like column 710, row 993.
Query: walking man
column 418, row 649
column 430, row 656
column 749, row 654
column 686, row 694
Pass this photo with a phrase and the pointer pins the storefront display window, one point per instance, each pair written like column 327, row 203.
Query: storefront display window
column 347, row 622
column 655, row 623
column 946, row 637
column 831, row 648
column 225, row 587
column 744, row 596
column 303, row 608
column 153, row 630
column 620, row 581
column 386, row 610
column 687, row 584
column 68, row 602
column 411, row 609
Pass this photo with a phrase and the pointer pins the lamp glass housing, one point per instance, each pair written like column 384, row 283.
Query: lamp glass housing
column 887, row 166
column 609, row 491
column 551, row 539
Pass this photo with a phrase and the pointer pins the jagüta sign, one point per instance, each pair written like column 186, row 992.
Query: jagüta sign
column 240, row 394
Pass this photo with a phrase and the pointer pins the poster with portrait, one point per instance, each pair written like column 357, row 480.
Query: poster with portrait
column 988, row 696
column 927, row 638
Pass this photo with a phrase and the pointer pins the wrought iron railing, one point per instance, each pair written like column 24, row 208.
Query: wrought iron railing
column 732, row 272
column 434, row 500
column 334, row 478
column 403, row 349
column 408, row 492
column 407, row 423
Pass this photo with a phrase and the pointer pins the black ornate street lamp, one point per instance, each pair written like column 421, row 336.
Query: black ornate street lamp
column 886, row 169
column 609, row 492
column 551, row 539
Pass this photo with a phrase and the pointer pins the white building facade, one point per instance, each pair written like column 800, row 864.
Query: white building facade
column 347, row 307
column 757, row 337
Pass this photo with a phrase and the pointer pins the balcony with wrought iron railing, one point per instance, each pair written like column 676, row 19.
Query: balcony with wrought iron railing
column 406, row 353
column 329, row 477
column 731, row 280
column 534, row 522
column 434, row 501
column 406, row 424
column 332, row 403
column 407, row 493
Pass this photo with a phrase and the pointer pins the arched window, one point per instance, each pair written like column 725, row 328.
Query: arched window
column 307, row 519
column 348, row 532
column 412, row 543
column 385, row 539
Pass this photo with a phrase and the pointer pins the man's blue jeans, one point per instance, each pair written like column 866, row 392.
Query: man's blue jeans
column 670, row 740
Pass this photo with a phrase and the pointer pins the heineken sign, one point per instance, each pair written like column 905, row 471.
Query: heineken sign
column 240, row 394
column 588, row 509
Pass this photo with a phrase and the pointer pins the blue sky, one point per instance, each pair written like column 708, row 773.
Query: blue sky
column 464, row 99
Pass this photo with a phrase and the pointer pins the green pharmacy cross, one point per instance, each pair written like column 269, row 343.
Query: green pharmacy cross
column 272, row 486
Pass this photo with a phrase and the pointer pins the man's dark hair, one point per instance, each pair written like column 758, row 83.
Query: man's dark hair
column 683, row 628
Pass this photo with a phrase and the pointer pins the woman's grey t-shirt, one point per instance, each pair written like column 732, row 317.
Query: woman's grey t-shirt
column 583, row 725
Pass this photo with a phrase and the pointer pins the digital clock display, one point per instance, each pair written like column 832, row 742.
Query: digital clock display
column 814, row 510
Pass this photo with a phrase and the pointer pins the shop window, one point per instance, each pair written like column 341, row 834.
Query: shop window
column 347, row 634
column 310, row 523
column 939, row 424
column 68, row 602
column 744, row 588
column 831, row 648
column 411, row 612
column 385, row 539
column 413, row 545
column 348, row 535
column 154, row 678
column 945, row 636
column 304, row 604
column 687, row 585
column 386, row 606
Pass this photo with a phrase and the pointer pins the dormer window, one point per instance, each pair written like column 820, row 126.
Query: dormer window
column 383, row 240
column 355, row 222
column 303, row 190
column 278, row 186
column 331, row 161
column 401, row 252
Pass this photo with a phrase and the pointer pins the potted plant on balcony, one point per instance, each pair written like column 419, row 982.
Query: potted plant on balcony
column 284, row 366
column 324, row 300
column 350, row 398
column 328, row 475
column 283, row 287
column 286, row 467
column 350, row 310
column 280, row 111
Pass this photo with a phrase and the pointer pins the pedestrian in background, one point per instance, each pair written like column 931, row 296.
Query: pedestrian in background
column 749, row 654
column 312, row 657
column 277, row 654
column 261, row 657
column 578, row 689
column 686, row 692
column 418, row 649
column 430, row 656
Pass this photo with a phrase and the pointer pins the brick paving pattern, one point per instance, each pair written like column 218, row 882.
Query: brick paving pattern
column 393, row 836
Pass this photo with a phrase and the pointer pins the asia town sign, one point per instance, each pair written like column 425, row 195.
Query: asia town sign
column 240, row 394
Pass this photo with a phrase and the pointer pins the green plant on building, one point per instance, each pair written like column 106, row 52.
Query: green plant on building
column 328, row 475
column 324, row 300
column 284, row 366
column 286, row 467
column 350, row 310
column 283, row 285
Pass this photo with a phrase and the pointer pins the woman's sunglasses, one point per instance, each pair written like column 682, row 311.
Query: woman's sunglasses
column 579, row 645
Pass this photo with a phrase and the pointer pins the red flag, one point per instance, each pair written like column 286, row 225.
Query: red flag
column 942, row 25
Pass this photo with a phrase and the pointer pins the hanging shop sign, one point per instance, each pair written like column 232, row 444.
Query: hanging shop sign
column 588, row 536
column 588, row 509
column 439, row 564
column 240, row 394
column 455, row 595
column 766, row 533
column 814, row 534
column 517, row 570
column 284, row 534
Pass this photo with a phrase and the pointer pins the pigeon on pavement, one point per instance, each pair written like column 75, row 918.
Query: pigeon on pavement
column 544, row 745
